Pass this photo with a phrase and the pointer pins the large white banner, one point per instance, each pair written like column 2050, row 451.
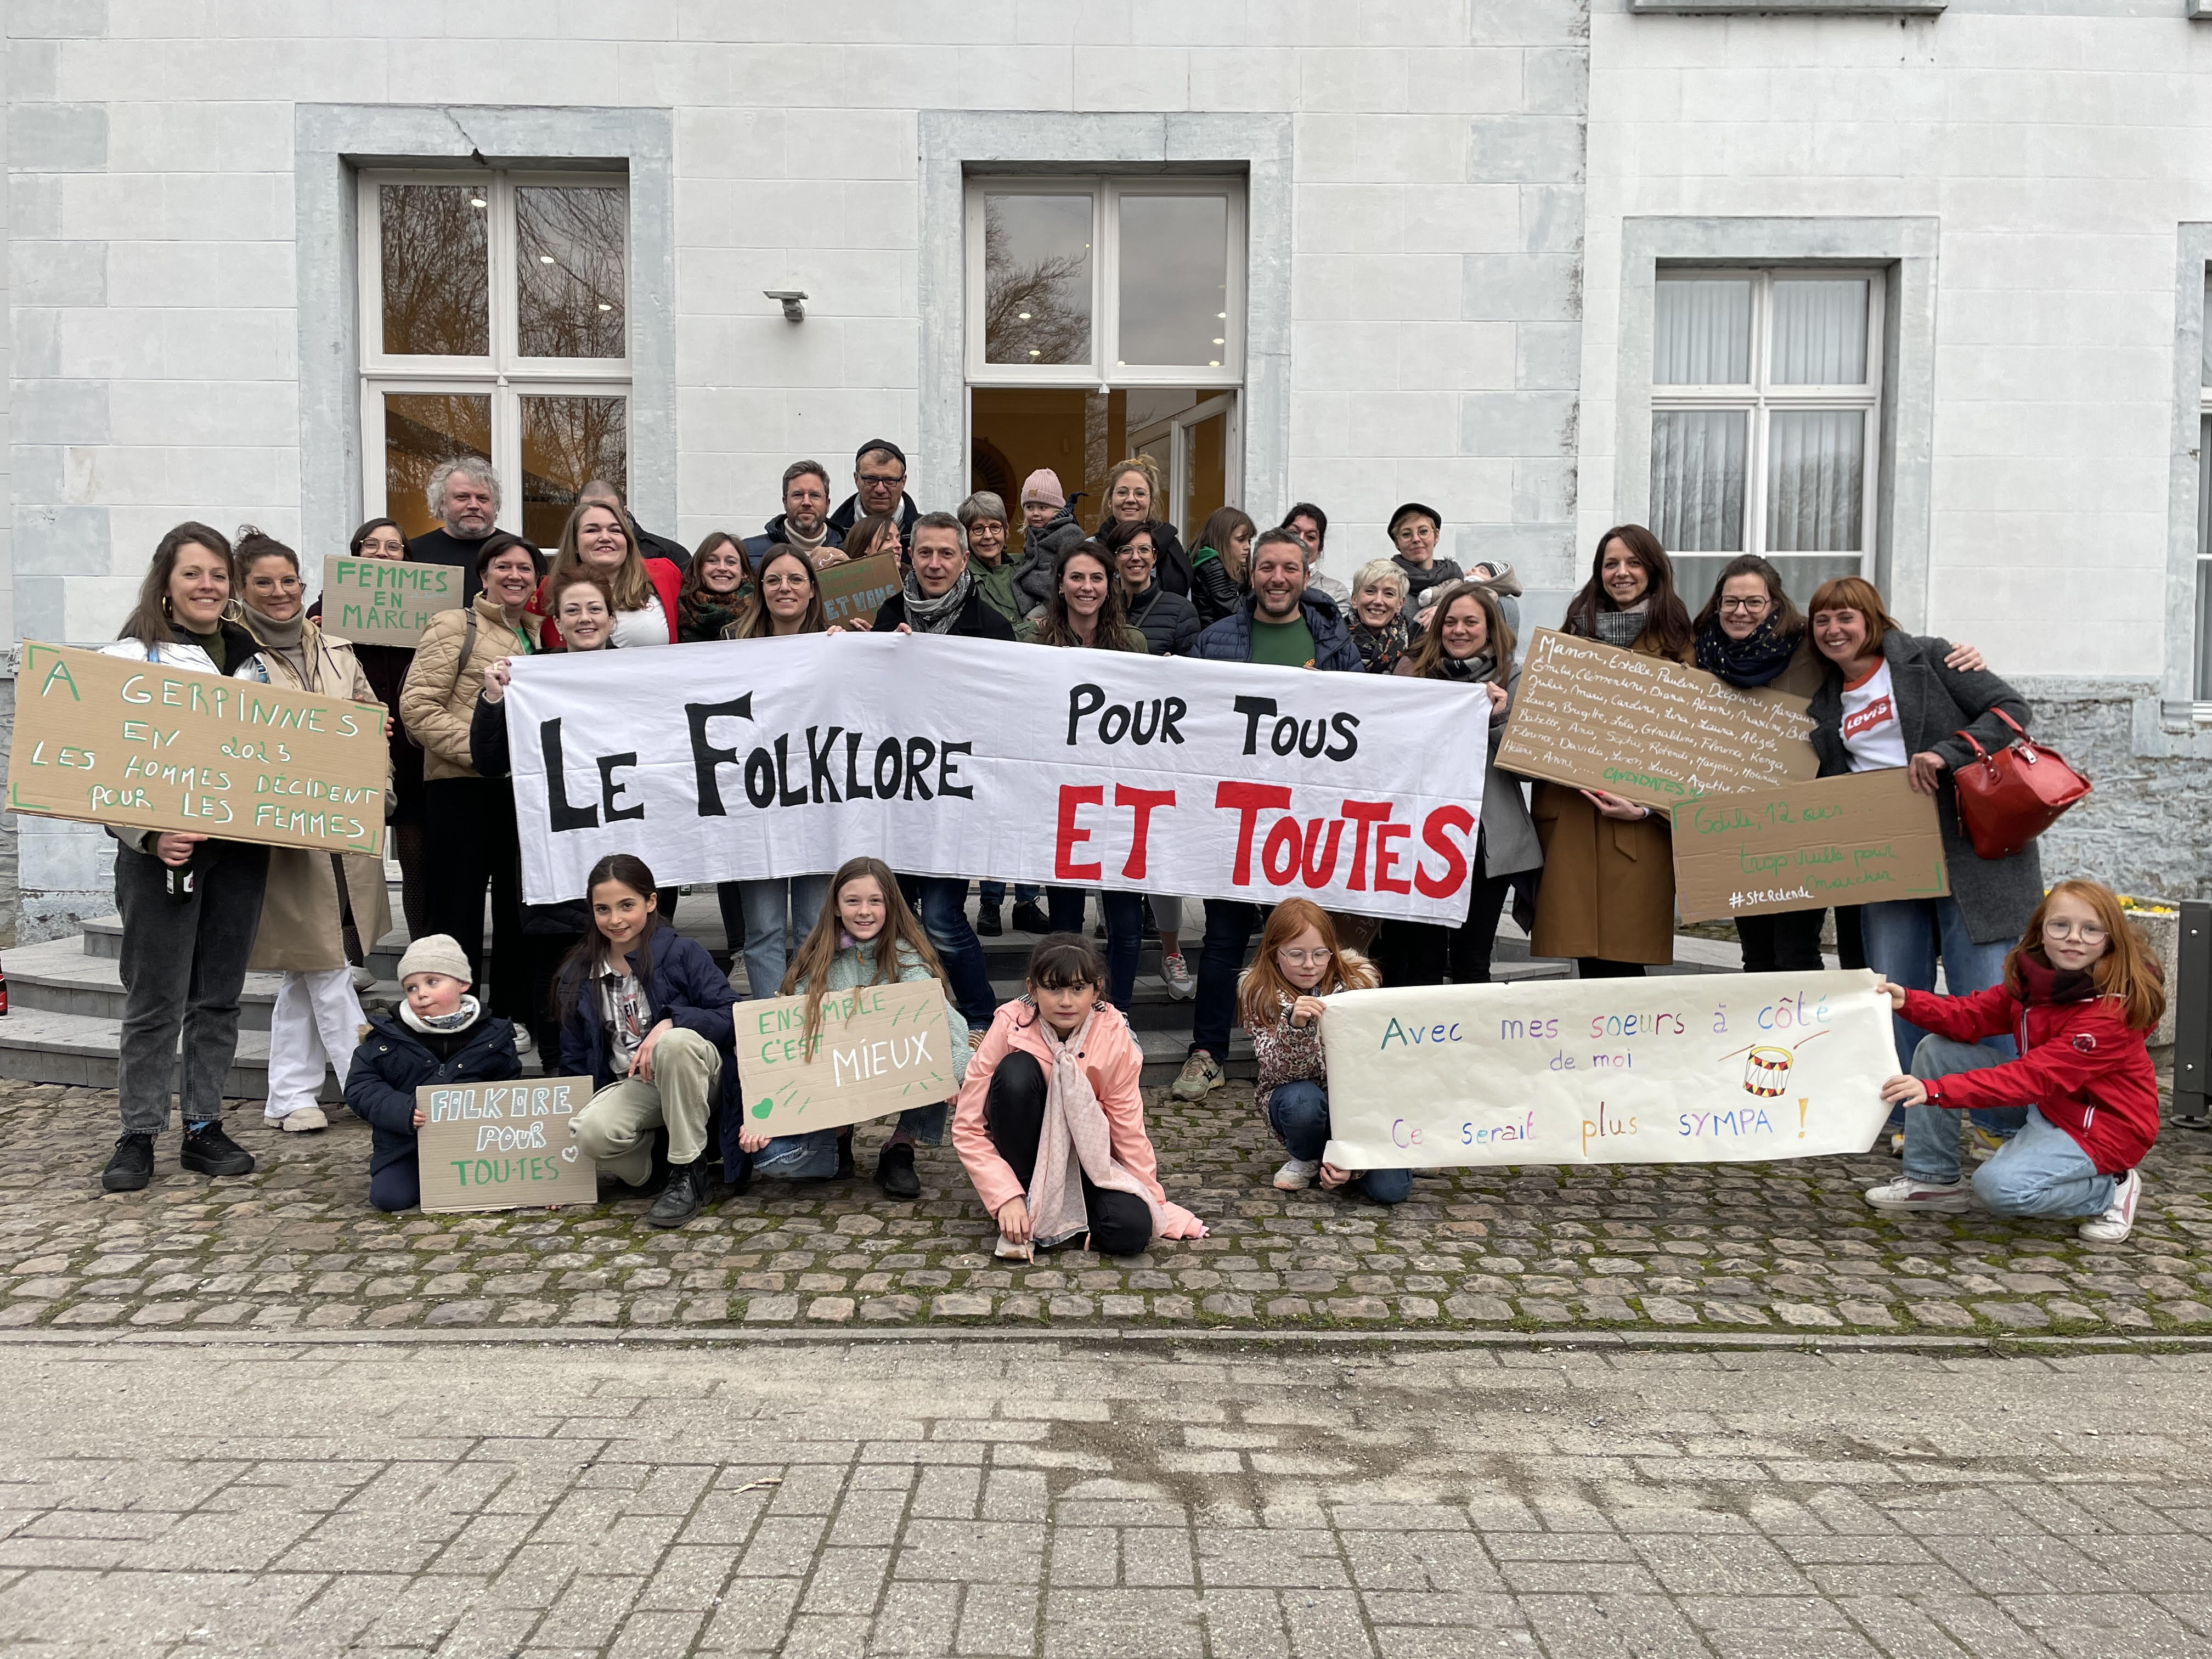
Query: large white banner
column 746, row 759
column 1725, row 1068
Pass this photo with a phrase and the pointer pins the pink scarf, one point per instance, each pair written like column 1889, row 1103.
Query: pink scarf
column 1074, row 1123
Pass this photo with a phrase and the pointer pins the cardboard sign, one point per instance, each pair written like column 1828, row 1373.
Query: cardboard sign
column 387, row 601
column 858, row 589
column 503, row 1146
column 151, row 746
column 1654, row 732
column 759, row 759
column 878, row 1049
column 1851, row 840
column 1727, row 1069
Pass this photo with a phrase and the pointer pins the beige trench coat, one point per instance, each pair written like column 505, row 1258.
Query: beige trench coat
column 301, row 928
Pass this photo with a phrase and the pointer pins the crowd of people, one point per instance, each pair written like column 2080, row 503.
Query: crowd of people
column 2040, row 1040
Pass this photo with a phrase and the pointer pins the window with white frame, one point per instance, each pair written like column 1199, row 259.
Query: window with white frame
column 2200, row 686
column 1765, row 421
column 494, row 322
column 1105, row 319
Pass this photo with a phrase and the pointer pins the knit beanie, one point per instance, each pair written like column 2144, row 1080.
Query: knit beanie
column 436, row 953
column 1042, row 486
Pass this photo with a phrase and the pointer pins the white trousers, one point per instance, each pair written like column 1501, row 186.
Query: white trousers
column 316, row 1020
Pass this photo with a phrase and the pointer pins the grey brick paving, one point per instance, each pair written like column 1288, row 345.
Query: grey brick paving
column 1775, row 1249
column 162, row 1497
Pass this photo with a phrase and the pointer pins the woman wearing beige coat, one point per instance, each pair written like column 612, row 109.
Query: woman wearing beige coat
column 470, row 818
column 311, row 897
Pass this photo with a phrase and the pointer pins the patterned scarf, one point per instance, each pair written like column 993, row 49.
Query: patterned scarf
column 937, row 616
column 1380, row 648
column 1758, row 659
column 1076, row 1140
column 704, row 615
column 441, row 1024
column 1466, row 670
column 1624, row 627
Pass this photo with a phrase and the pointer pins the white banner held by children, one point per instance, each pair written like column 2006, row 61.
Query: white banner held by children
column 1696, row 1069
column 745, row 760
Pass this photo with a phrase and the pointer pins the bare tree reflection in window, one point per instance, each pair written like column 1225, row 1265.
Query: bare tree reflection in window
column 569, row 270
column 1037, row 279
column 434, row 241
column 567, row 441
column 420, row 429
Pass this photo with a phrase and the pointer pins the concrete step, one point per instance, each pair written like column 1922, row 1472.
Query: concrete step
column 80, row 1050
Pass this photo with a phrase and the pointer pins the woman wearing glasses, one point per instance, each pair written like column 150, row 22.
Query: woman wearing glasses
column 321, row 912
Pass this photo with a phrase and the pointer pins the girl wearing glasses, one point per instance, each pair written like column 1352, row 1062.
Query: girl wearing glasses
column 1278, row 1002
column 321, row 912
column 2081, row 991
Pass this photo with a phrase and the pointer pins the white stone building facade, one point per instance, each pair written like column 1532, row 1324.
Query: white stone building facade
column 1916, row 288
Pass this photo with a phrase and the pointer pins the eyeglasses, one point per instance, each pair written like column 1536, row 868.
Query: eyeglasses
column 868, row 478
column 2087, row 931
column 1304, row 958
column 282, row 584
column 1746, row 604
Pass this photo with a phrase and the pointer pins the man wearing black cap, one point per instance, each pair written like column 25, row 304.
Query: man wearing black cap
column 1413, row 531
column 879, row 489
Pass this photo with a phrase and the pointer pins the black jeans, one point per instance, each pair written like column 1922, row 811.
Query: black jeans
column 1429, row 952
column 183, row 966
column 471, row 826
column 1228, row 927
column 397, row 1187
column 1013, row 1113
column 1125, row 933
column 1850, row 938
column 1598, row 967
column 1788, row 942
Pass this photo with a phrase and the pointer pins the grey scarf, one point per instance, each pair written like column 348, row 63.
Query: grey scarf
column 937, row 616
column 285, row 639
column 1622, row 627
column 1479, row 666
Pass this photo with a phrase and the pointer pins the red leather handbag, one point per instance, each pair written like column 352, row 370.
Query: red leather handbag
column 2008, row 799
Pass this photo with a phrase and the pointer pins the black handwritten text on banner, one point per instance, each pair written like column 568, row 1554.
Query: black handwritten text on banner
column 746, row 759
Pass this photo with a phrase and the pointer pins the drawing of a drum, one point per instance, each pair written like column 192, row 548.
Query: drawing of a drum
column 1766, row 1071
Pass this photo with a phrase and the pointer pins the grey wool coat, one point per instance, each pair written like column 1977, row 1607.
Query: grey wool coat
column 1997, row 897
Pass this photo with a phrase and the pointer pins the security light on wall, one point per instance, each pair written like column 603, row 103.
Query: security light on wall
column 793, row 300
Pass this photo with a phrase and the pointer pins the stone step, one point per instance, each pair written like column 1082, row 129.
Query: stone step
column 80, row 1050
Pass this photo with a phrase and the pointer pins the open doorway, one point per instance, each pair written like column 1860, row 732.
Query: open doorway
column 1190, row 435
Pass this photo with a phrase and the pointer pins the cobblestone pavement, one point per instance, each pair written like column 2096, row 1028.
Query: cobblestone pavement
column 1779, row 1249
column 817, row 1499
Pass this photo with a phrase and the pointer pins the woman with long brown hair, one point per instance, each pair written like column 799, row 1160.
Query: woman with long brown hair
column 1608, row 895
column 866, row 934
column 716, row 596
column 598, row 538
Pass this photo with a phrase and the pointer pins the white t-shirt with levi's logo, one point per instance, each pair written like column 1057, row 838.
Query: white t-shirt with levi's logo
column 1871, row 731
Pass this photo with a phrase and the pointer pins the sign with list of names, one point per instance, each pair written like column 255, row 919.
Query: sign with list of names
column 1658, row 733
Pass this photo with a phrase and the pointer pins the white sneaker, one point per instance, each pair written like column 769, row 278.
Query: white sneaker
column 1180, row 986
column 524, row 1043
column 304, row 1121
column 363, row 980
column 1905, row 1196
column 1297, row 1175
column 2118, row 1221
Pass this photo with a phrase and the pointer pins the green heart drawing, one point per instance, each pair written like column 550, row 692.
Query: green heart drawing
column 762, row 1107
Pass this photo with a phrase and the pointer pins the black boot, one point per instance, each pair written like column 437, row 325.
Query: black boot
column 212, row 1153
column 987, row 925
column 680, row 1198
column 1030, row 918
column 846, row 1168
column 895, row 1171
column 131, row 1167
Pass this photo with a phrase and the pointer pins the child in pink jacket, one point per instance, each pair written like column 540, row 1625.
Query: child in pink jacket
column 1050, row 1121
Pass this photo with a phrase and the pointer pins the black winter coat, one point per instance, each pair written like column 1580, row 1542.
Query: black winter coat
column 976, row 620
column 1167, row 621
column 1213, row 590
column 393, row 1063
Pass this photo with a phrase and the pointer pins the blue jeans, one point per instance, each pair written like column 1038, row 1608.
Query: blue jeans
column 1125, row 934
column 994, row 892
column 766, row 909
column 2042, row 1171
column 942, row 903
column 1229, row 925
column 1298, row 1114
column 1903, row 937
column 813, row 1156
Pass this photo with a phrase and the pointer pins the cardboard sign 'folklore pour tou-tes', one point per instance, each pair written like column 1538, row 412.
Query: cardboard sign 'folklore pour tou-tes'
column 1654, row 732
column 1720, row 1069
column 1849, row 840
column 503, row 1146
column 878, row 1049
column 385, row 601
column 147, row 746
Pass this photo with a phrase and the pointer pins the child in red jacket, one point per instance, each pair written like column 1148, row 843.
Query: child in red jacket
column 2080, row 991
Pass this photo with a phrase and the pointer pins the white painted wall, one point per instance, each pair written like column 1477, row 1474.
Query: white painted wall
column 2058, row 152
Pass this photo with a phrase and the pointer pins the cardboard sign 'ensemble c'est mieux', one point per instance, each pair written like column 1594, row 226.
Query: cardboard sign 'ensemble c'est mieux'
column 503, row 1146
column 1649, row 730
column 147, row 745
column 879, row 1049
